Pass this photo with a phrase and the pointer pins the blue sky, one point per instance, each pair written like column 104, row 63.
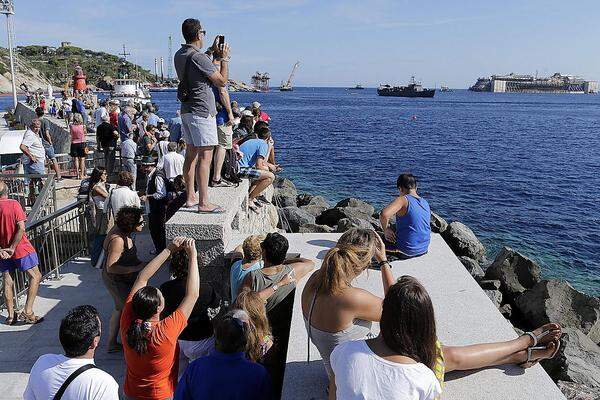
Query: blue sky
column 340, row 43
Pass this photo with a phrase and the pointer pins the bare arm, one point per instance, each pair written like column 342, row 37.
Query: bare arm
column 366, row 305
column 387, row 213
column 386, row 271
column 221, row 77
column 302, row 266
column 114, row 250
column 26, row 151
column 262, row 164
column 192, row 289
column 226, row 103
column 154, row 265
column 99, row 190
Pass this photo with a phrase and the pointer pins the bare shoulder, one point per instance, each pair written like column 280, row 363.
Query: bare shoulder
column 354, row 297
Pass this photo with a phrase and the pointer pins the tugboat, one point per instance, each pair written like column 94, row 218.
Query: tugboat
column 413, row 89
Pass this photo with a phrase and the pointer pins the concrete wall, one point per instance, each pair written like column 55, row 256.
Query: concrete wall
column 61, row 138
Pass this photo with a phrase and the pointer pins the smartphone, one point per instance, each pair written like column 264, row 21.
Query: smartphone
column 221, row 42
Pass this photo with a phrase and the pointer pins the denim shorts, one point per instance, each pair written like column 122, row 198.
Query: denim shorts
column 50, row 154
column 199, row 131
column 35, row 168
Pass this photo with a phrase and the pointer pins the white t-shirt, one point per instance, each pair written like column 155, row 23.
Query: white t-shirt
column 33, row 141
column 51, row 370
column 98, row 114
column 123, row 196
column 162, row 150
column 362, row 374
column 173, row 164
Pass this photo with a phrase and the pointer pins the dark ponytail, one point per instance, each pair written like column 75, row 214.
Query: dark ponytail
column 145, row 305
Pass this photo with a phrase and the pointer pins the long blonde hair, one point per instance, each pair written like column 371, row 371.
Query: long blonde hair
column 344, row 262
column 259, row 324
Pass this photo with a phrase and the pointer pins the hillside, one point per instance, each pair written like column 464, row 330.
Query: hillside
column 40, row 65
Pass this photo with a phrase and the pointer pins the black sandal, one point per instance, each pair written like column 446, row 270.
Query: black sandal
column 11, row 320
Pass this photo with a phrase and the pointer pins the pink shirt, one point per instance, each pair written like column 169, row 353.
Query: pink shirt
column 77, row 134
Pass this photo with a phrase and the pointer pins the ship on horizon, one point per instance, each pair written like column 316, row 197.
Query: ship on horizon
column 514, row 83
column 413, row 89
column 357, row 87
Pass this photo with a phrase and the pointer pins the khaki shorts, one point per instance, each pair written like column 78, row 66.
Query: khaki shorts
column 225, row 135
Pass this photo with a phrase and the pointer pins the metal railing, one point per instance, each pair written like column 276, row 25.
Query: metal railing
column 27, row 195
column 57, row 238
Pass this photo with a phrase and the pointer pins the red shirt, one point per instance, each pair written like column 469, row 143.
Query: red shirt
column 11, row 212
column 114, row 119
column 264, row 116
column 152, row 375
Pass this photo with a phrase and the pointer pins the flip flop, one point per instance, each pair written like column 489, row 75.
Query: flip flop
column 193, row 207
column 530, row 362
column 545, row 332
column 216, row 210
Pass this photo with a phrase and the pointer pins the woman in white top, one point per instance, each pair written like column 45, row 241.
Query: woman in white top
column 98, row 195
column 406, row 361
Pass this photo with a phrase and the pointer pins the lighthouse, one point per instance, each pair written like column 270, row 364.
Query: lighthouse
column 79, row 80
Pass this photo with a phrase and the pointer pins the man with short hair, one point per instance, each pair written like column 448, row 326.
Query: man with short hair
column 79, row 336
column 33, row 158
column 173, row 162
column 125, row 123
column 17, row 254
column 122, row 195
column 413, row 231
column 157, row 191
column 47, row 141
column 254, row 165
column 210, row 377
column 152, row 117
column 198, row 109
column 100, row 113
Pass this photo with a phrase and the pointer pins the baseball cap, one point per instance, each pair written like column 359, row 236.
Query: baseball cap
column 247, row 113
column 256, row 104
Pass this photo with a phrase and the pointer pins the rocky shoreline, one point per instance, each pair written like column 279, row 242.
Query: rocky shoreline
column 512, row 281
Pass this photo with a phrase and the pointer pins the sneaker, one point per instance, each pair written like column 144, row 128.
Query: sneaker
column 221, row 183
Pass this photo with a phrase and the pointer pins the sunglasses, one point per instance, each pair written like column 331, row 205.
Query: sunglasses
column 141, row 223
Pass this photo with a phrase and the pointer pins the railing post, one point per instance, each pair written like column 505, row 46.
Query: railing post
column 54, row 251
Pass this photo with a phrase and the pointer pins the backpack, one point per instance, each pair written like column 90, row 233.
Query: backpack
column 230, row 170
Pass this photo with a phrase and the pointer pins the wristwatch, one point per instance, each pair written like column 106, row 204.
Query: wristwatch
column 275, row 287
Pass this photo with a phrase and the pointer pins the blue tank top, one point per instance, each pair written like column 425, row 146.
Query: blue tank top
column 413, row 231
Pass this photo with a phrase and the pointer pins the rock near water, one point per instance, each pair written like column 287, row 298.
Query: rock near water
column 558, row 301
column 437, row 223
column 292, row 218
column 515, row 272
column 332, row 216
column 577, row 391
column 578, row 360
column 463, row 241
column 314, row 228
column 361, row 205
column 347, row 223
column 472, row 266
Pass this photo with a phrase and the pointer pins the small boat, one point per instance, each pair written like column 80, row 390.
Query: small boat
column 445, row 89
column 413, row 89
column 357, row 87
column 126, row 88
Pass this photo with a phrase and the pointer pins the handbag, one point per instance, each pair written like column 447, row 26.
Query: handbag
column 183, row 89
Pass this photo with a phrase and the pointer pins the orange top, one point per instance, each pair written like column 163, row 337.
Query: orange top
column 152, row 375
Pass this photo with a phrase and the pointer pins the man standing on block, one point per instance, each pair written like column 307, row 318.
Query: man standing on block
column 17, row 254
column 198, row 74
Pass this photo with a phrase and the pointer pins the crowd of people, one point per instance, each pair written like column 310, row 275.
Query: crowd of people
column 189, row 340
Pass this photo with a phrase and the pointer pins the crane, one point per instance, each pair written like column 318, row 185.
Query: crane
column 287, row 86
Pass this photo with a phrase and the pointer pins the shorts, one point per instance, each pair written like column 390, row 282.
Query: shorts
column 199, row 131
column 249, row 172
column 77, row 150
column 20, row 264
column 225, row 136
column 49, row 149
column 35, row 168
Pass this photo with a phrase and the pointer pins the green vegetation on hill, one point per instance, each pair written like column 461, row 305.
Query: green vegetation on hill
column 58, row 64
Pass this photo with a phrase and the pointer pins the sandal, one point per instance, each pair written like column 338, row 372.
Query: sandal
column 546, row 330
column 30, row 319
column 11, row 320
column 530, row 362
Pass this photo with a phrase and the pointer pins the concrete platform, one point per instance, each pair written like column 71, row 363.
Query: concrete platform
column 465, row 315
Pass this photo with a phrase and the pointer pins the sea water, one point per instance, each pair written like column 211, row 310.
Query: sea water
column 522, row 170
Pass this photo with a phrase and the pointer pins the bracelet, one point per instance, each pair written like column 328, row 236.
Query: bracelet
column 225, row 59
column 381, row 263
column 275, row 287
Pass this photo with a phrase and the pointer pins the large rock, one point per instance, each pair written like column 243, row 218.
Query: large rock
column 292, row 218
column 285, row 193
column 472, row 266
column 314, row 228
column 516, row 272
column 578, row 360
column 347, row 223
column 437, row 223
column 577, row 391
column 365, row 207
column 332, row 216
column 313, row 209
column 558, row 301
column 305, row 199
column 463, row 241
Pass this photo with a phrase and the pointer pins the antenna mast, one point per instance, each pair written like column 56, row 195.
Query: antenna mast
column 170, row 62
column 124, row 54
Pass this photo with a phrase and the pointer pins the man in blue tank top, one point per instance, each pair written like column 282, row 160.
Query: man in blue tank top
column 413, row 232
